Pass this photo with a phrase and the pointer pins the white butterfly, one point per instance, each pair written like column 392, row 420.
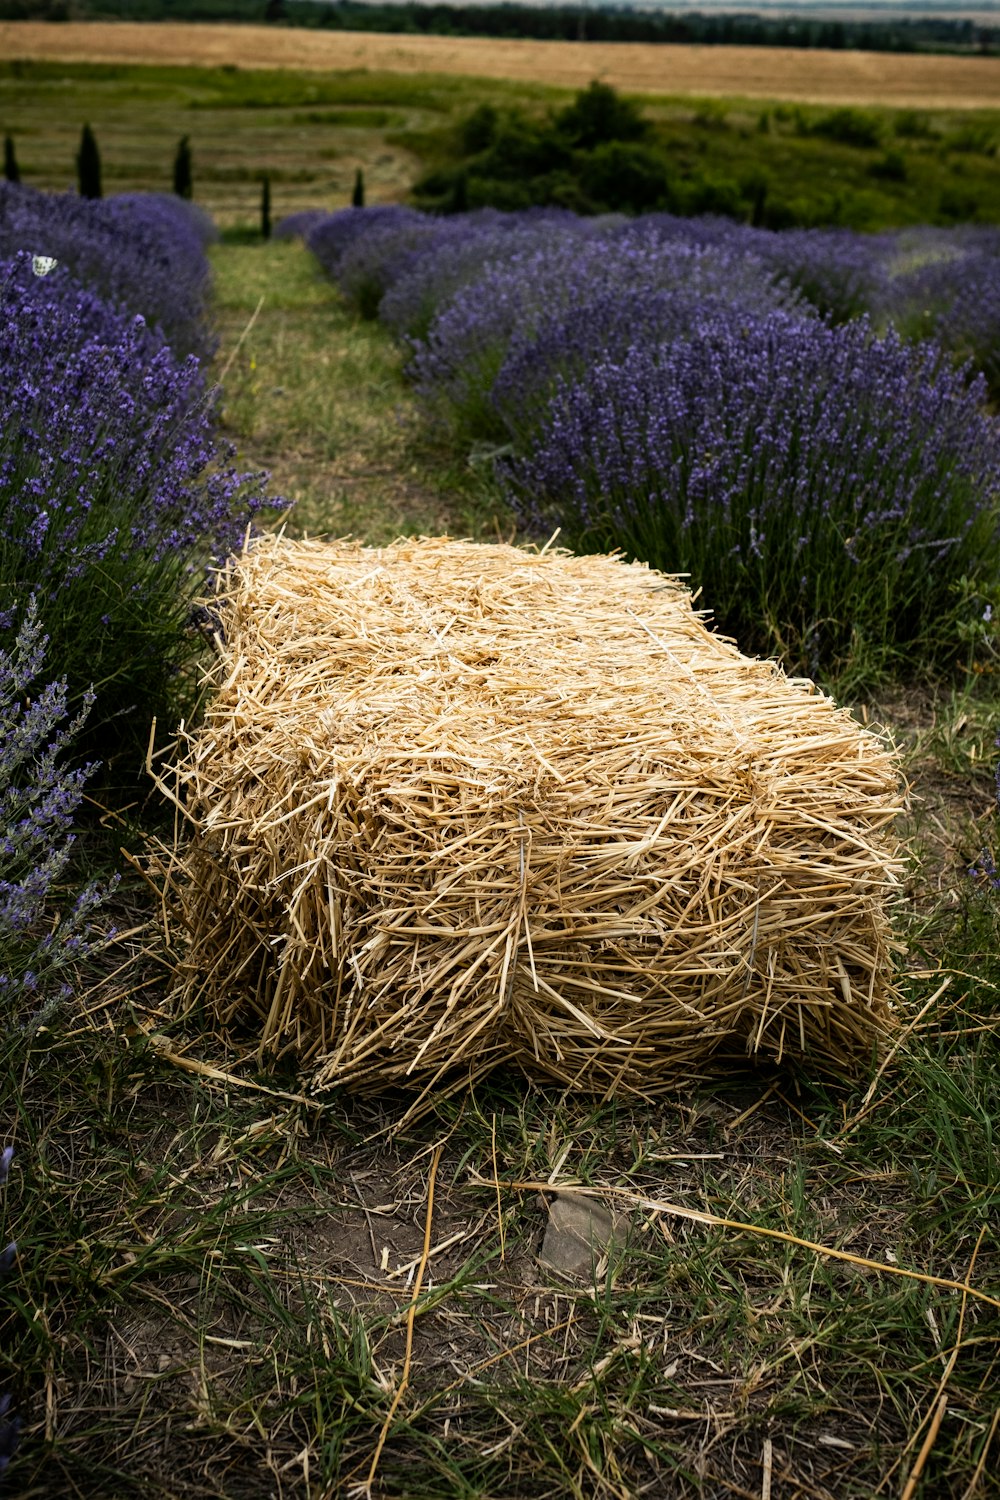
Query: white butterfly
column 43, row 264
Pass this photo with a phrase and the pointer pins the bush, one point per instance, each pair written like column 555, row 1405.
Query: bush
column 843, row 274
column 826, row 489
column 953, row 295
column 299, row 226
column 114, row 497
column 626, row 177
column 598, row 115
column 890, row 167
column 141, row 252
column 590, row 157
column 513, row 313
column 851, row 127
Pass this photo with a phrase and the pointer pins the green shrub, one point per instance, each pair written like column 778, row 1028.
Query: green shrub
column 599, row 115
column 851, row 127
column 891, row 167
column 626, row 177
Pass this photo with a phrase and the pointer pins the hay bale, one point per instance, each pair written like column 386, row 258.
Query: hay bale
column 457, row 804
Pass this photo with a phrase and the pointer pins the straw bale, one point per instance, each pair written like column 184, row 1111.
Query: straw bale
column 456, row 804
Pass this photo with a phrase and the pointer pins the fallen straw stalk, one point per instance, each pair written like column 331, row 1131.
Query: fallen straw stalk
column 456, row 804
column 628, row 1198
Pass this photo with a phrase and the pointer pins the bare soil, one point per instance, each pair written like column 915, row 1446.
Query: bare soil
column 817, row 77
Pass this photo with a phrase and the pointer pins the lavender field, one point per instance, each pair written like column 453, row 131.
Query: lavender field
column 800, row 421
column 208, row 1289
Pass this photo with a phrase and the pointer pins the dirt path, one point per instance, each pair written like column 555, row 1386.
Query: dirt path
column 753, row 72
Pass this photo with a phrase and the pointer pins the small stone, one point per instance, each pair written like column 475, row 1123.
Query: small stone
column 580, row 1231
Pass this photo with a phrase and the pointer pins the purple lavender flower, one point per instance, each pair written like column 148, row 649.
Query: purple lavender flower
column 335, row 234
column 539, row 296
column 842, row 273
column 39, row 799
column 115, row 493
column 143, row 253
column 823, row 486
column 299, row 226
column 948, row 288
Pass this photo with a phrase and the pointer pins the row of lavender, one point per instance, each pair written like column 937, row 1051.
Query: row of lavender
column 799, row 420
column 115, row 495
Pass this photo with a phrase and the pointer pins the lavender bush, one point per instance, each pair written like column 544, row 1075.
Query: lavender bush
column 951, row 292
column 827, row 489
column 843, row 274
column 486, row 336
column 299, row 225
column 114, row 496
column 333, row 236
column 464, row 243
column 143, row 253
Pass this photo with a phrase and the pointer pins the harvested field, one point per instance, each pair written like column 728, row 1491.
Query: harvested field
column 816, row 77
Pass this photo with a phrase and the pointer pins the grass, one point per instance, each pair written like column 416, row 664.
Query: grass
column 310, row 132
column 316, row 397
column 222, row 1287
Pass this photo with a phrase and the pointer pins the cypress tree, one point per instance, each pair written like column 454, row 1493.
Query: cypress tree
column 265, row 208
column 182, row 168
column 358, row 195
column 11, row 170
column 88, row 165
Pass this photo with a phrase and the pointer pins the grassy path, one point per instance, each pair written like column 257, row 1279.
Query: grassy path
column 316, row 397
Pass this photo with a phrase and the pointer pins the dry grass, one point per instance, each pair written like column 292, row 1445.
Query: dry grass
column 460, row 804
column 815, row 77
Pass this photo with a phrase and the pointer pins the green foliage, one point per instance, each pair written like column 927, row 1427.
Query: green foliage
column 265, row 208
column 590, row 156
column 912, row 125
column 626, row 176
column 890, row 167
column 11, row 171
column 800, row 167
column 979, row 138
column 358, row 192
column 88, row 165
column 851, row 127
column 478, row 131
column 599, row 115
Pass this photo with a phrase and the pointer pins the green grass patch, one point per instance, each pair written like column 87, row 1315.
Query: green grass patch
column 317, row 396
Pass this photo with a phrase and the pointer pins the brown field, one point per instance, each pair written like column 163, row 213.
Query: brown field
column 815, row 77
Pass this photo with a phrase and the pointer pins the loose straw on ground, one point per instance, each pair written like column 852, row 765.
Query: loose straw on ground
column 410, row 1319
column 458, row 804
